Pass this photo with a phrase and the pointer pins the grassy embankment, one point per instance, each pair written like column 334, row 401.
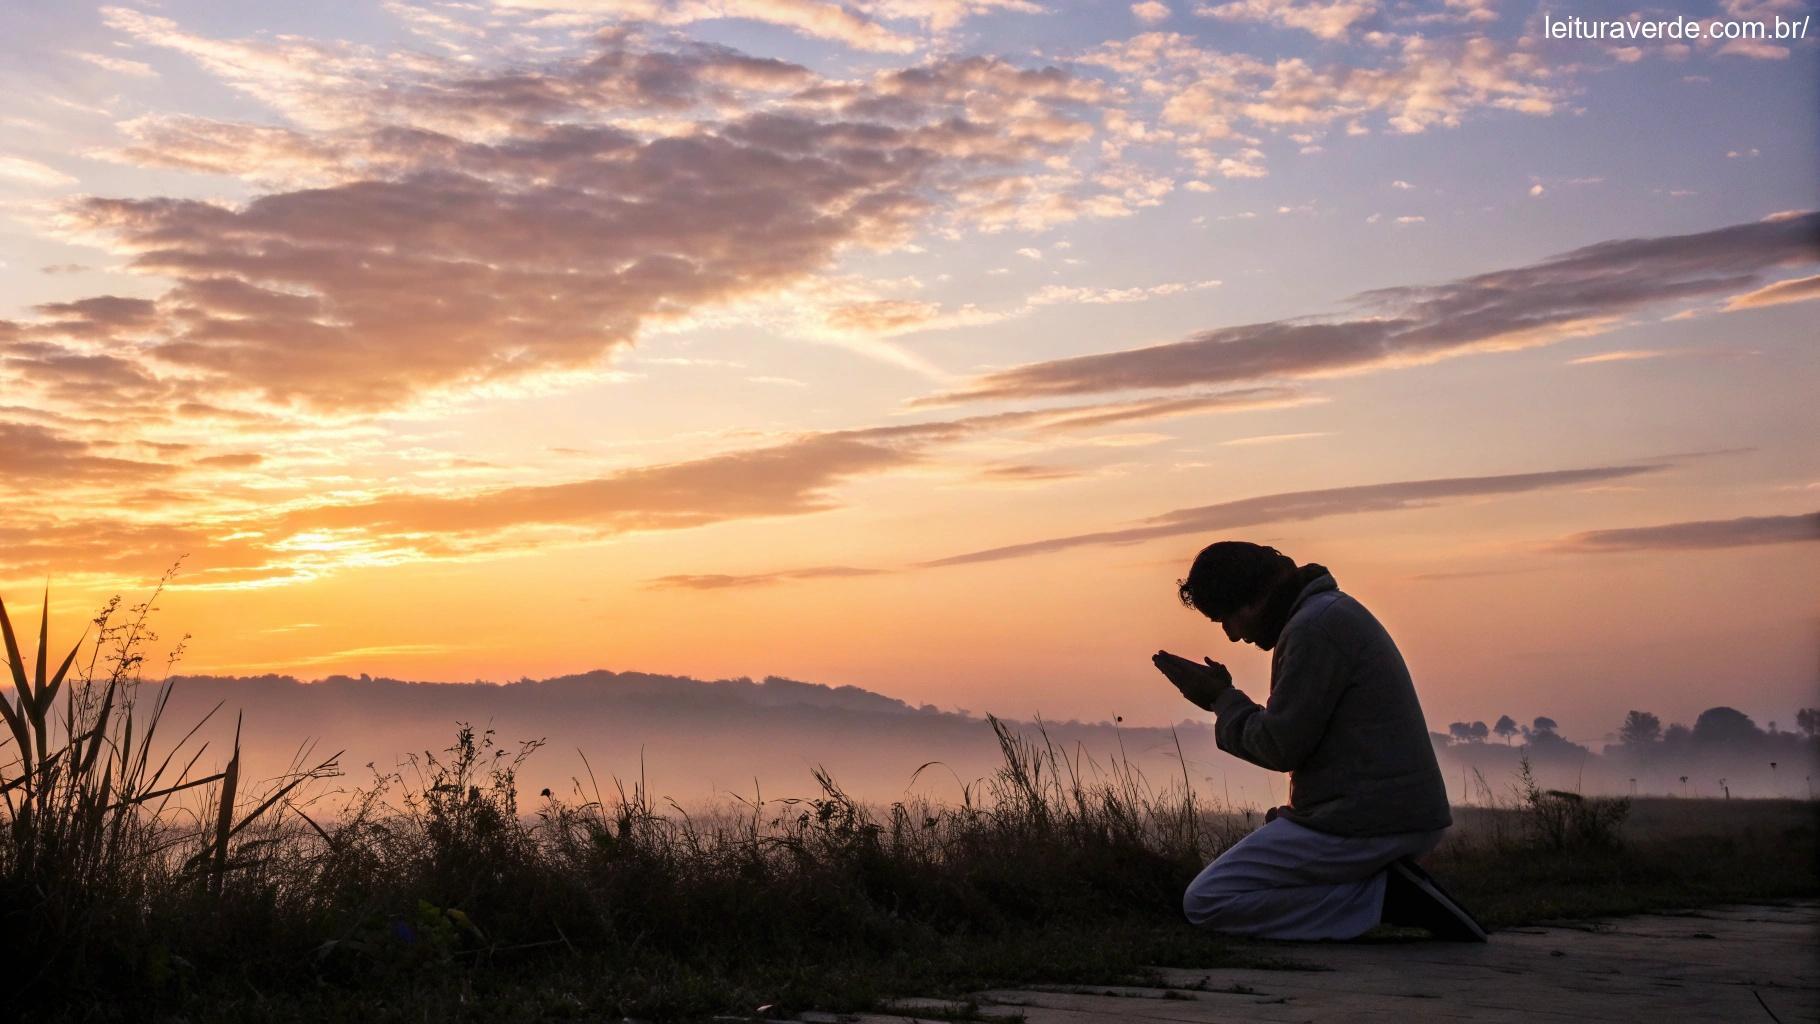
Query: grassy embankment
column 133, row 886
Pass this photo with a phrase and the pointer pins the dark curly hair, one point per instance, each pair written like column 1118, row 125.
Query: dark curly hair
column 1230, row 574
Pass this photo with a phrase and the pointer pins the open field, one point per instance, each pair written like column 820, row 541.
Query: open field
column 440, row 896
column 135, row 884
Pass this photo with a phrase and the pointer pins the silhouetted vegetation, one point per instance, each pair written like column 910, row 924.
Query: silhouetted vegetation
column 135, row 884
column 1724, row 751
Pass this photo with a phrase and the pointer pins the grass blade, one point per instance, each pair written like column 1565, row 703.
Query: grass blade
column 41, row 707
column 224, row 821
column 44, row 629
column 17, row 717
column 56, row 681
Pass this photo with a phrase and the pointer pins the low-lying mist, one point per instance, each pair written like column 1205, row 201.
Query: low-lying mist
column 702, row 743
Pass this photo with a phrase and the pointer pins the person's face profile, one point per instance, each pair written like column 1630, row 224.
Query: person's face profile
column 1241, row 624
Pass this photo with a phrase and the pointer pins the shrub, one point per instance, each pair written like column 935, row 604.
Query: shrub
column 1560, row 820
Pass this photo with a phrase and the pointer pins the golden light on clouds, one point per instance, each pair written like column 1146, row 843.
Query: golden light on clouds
column 869, row 340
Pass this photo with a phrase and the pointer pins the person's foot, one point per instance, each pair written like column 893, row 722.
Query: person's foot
column 1412, row 898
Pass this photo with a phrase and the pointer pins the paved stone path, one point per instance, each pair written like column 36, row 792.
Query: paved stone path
column 1726, row 964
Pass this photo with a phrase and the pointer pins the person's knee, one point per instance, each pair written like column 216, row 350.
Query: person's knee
column 1195, row 907
column 1204, row 903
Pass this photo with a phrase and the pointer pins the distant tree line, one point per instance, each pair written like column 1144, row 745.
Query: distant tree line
column 1722, row 752
column 1642, row 733
column 1723, row 747
column 1541, row 734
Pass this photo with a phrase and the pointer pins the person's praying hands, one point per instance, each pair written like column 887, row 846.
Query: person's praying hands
column 1199, row 681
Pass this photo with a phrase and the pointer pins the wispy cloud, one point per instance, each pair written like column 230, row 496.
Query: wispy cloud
column 1799, row 289
column 716, row 581
column 1029, row 473
column 1296, row 506
column 257, row 547
column 1746, row 531
column 31, row 172
column 1094, row 417
column 251, row 543
column 359, row 655
column 1582, row 292
column 1277, row 438
column 790, row 478
column 1625, row 356
column 118, row 65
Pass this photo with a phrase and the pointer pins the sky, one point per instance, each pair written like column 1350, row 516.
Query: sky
column 918, row 345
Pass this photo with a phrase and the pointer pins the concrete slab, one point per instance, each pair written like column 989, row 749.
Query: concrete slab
column 1722, row 965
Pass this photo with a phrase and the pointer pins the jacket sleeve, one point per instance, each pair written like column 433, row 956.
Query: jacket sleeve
column 1312, row 675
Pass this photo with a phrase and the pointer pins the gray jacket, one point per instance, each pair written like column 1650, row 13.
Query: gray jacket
column 1343, row 721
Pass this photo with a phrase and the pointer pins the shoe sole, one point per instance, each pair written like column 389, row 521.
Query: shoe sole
column 1470, row 929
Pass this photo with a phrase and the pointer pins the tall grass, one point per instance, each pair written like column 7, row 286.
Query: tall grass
column 134, row 883
column 157, row 867
column 100, row 819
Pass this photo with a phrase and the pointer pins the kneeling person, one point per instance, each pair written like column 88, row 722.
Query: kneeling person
column 1342, row 718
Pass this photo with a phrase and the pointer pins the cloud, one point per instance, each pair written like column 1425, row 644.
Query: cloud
column 1277, row 438
column 259, row 546
column 118, row 65
column 434, row 229
column 822, row 20
column 264, row 153
column 1470, row 574
column 1325, row 19
column 883, row 316
column 31, row 172
column 108, row 548
column 1028, row 473
column 1579, row 293
column 1799, row 289
column 1628, row 355
column 1208, row 98
column 858, row 25
column 37, row 457
column 1094, row 417
column 1150, row 12
column 262, row 540
column 790, row 478
column 866, row 321
column 718, row 581
column 1745, row 531
column 944, row 15
column 814, row 18
column 1297, row 506
column 232, row 460
column 66, row 373
column 1055, row 294
column 1755, row 49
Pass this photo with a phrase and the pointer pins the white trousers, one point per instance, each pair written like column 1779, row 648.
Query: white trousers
column 1287, row 881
